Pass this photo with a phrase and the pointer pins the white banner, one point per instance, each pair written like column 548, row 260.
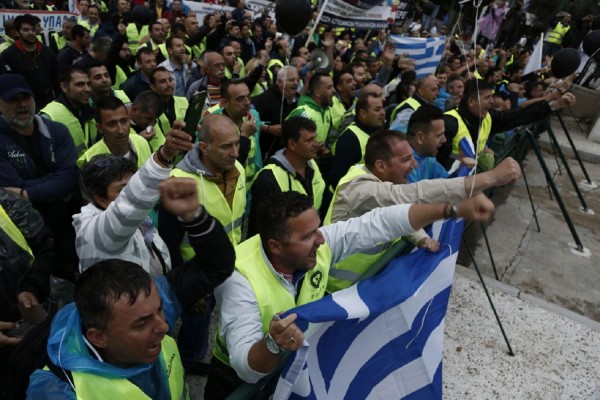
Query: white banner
column 202, row 9
column 51, row 20
column 258, row 5
column 371, row 14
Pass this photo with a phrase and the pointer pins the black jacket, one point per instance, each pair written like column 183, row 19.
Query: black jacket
column 213, row 263
column 269, row 107
column 15, row 274
column 501, row 121
column 38, row 67
column 67, row 56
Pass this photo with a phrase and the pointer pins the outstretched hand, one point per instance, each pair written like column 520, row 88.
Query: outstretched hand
column 508, row 170
column 179, row 196
column 476, row 208
column 566, row 100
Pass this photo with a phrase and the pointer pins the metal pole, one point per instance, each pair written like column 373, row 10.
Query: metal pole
column 489, row 249
column 530, row 198
column 569, row 173
column 563, row 209
column 510, row 351
column 312, row 30
column 564, row 126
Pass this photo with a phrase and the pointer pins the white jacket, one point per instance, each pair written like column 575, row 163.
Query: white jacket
column 114, row 232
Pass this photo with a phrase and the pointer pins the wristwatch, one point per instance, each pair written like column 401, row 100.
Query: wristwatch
column 272, row 345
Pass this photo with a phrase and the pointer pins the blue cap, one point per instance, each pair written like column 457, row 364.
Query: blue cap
column 12, row 85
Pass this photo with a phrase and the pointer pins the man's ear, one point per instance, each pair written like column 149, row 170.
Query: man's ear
column 291, row 144
column 275, row 247
column 202, row 147
column 471, row 102
column 380, row 167
column 97, row 338
column 420, row 137
column 362, row 114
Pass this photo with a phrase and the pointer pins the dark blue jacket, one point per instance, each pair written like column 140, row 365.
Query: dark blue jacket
column 56, row 178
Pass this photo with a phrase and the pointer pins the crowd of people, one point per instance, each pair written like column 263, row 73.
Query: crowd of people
column 119, row 220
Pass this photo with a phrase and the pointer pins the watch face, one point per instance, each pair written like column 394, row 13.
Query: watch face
column 272, row 345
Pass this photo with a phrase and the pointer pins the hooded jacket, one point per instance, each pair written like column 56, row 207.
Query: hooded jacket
column 67, row 349
column 232, row 186
column 180, row 288
column 308, row 108
column 54, row 177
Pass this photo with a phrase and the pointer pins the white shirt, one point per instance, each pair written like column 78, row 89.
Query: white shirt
column 241, row 325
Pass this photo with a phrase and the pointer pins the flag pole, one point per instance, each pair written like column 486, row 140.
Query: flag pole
column 314, row 27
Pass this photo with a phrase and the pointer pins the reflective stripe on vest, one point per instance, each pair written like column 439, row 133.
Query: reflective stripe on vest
column 212, row 198
column 134, row 36
column 463, row 133
column 138, row 144
column 14, row 233
column 360, row 135
column 83, row 138
column 321, row 119
column 181, row 106
column 271, row 295
column 558, row 33
column 348, row 271
column 412, row 103
column 289, row 183
column 92, row 386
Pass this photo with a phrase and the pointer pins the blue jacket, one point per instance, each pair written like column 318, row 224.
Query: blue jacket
column 440, row 101
column 67, row 349
column 428, row 168
column 61, row 176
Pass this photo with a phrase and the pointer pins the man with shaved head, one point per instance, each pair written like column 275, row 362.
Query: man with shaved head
column 426, row 90
column 221, row 185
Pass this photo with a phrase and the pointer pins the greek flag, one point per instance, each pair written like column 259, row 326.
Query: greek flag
column 427, row 52
column 381, row 338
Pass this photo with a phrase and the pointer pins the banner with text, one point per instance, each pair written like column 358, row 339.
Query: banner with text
column 203, row 9
column 360, row 14
column 259, row 5
column 51, row 20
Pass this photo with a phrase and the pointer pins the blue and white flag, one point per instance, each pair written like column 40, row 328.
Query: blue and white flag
column 427, row 52
column 381, row 338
